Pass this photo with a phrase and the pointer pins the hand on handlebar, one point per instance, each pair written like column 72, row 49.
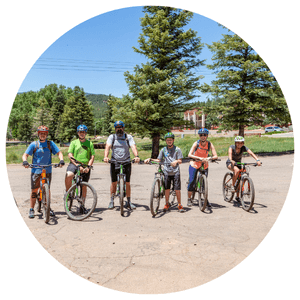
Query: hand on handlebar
column 106, row 159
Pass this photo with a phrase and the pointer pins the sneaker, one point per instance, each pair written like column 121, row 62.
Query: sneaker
column 128, row 203
column 180, row 208
column 111, row 205
column 52, row 214
column 31, row 213
column 189, row 202
column 83, row 210
column 237, row 199
column 167, row 207
column 208, row 204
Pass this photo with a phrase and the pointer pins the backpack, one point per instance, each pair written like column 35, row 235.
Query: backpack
column 208, row 148
column 37, row 145
column 165, row 151
column 114, row 138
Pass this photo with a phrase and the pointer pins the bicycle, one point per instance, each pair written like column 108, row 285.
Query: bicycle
column 121, row 184
column 158, row 190
column 201, row 187
column 81, row 199
column 243, row 184
column 44, row 190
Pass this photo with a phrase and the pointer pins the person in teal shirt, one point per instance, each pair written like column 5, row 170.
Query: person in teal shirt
column 83, row 151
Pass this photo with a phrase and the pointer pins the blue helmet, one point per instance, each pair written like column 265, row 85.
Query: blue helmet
column 203, row 130
column 82, row 128
column 119, row 123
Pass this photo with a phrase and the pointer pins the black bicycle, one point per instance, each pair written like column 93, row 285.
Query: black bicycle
column 158, row 190
column 243, row 184
column 81, row 199
column 121, row 183
column 200, row 194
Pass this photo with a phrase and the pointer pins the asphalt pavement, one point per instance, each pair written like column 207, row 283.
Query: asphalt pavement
column 169, row 253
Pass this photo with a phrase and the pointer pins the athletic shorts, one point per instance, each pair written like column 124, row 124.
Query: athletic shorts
column 175, row 179
column 85, row 176
column 35, row 180
column 115, row 170
column 193, row 177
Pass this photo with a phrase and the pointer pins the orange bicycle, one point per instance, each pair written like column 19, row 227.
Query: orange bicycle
column 44, row 191
column 243, row 184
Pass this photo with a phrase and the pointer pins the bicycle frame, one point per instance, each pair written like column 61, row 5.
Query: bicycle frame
column 118, row 184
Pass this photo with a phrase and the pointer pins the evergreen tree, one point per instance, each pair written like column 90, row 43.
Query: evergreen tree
column 108, row 122
column 246, row 89
column 76, row 111
column 163, row 87
column 25, row 127
column 43, row 116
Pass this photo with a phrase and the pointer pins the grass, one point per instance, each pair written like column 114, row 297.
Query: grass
column 256, row 144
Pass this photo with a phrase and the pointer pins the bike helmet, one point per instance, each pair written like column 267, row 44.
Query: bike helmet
column 239, row 139
column 42, row 128
column 82, row 128
column 119, row 123
column 203, row 130
column 169, row 135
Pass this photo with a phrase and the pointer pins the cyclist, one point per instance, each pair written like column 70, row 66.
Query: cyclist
column 40, row 151
column 235, row 153
column 83, row 151
column 199, row 151
column 120, row 143
column 172, row 157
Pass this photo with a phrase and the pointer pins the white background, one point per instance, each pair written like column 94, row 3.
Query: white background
column 28, row 28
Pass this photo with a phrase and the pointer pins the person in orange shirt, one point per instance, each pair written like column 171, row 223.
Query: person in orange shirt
column 199, row 153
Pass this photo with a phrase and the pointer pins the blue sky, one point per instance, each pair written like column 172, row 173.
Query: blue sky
column 95, row 54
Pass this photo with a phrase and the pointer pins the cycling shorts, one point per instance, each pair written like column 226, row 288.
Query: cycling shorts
column 35, row 180
column 173, row 178
column 114, row 171
column 228, row 163
column 85, row 176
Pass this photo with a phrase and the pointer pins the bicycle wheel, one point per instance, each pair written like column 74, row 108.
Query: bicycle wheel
column 121, row 195
column 247, row 193
column 202, row 192
column 80, row 201
column 227, row 187
column 155, row 197
column 46, row 203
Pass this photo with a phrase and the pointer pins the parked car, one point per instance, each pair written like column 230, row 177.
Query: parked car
column 273, row 128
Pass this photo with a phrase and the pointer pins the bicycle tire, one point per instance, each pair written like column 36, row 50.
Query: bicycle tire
column 155, row 197
column 226, row 187
column 247, row 193
column 73, row 202
column 121, row 196
column 202, row 193
column 46, row 202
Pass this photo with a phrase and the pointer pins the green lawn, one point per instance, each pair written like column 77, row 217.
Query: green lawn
column 256, row 144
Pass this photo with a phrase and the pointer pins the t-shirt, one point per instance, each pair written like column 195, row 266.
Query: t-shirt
column 120, row 149
column 82, row 151
column 168, row 155
column 237, row 157
column 42, row 155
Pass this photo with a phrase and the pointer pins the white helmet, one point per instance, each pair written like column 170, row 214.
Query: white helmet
column 239, row 139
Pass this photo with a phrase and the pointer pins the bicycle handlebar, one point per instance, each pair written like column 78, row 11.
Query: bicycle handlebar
column 80, row 163
column 122, row 162
column 38, row 166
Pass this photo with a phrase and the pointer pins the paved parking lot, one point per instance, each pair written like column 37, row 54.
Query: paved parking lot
column 169, row 253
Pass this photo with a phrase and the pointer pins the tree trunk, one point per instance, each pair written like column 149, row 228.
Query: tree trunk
column 241, row 130
column 155, row 145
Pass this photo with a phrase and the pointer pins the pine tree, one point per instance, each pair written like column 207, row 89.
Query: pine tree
column 163, row 87
column 76, row 111
column 245, row 85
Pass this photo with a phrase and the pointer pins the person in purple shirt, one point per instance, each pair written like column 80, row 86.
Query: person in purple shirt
column 41, row 152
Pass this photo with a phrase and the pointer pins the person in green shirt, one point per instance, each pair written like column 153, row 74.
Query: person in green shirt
column 83, row 151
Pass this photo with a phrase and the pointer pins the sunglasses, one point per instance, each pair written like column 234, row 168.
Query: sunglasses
column 119, row 127
column 202, row 134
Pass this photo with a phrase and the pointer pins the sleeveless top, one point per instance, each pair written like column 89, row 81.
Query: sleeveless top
column 201, row 151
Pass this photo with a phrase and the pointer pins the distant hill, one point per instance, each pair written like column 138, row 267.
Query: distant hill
column 99, row 103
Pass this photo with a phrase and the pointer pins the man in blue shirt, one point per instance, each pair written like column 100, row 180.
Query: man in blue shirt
column 40, row 151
